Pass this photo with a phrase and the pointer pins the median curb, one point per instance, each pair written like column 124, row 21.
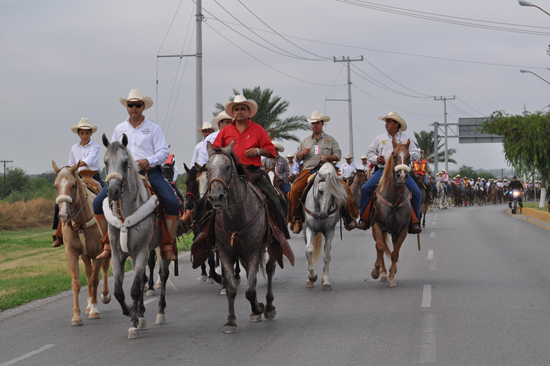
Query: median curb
column 535, row 214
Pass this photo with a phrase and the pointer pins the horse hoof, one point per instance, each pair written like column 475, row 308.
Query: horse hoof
column 150, row 292
column 158, row 285
column 161, row 319
column 76, row 322
column 209, row 281
column 312, row 279
column 133, row 333
column 384, row 278
column 374, row 274
column 93, row 316
column 310, row 284
column 270, row 315
column 220, row 286
column 327, row 287
column 230, row 329
column 255, row 318
column 392, row 283
column 423, row 225
column 88, row 311
column 142, row 323
column 204, row 277
column 106, row 298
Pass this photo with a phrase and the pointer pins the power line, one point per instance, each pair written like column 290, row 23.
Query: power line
column 479, row 113
column 383, row 86
column 389, row 105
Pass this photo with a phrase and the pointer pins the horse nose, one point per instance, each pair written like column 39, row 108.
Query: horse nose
column 217, row 198
column 323, row 215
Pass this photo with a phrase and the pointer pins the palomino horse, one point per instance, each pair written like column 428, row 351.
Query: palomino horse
column 241, row 229
column 358, row 180
column 81, row 237
column 131, row 231
column 322, row 213
column 393, row 212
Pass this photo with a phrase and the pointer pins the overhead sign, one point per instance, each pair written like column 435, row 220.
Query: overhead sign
column 468, row 131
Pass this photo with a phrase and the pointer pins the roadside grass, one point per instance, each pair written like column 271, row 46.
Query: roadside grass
column 535, row 206
column 22, row 215
column 31, row 269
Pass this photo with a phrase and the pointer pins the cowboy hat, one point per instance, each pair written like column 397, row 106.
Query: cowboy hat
column 318, row 116
column 207, row 126
column 278, row 146
column 290, row 156
column 85, row 125
column 240, row 99
column 397, row 118
column 348, row 156
column 220, row 117
column 136, row 95
column 363, row 157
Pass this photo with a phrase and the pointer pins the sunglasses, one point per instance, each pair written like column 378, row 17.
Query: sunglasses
column 137, row 105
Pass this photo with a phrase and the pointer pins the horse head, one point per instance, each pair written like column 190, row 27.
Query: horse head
column 118, row 162
column 328, row 192
column 66, row 188
column 401, row 161
column 220, row 174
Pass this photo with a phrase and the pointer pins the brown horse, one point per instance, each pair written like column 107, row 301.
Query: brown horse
column 458, row 197
column 392, row 212
column 358, row 180
column 81, row 237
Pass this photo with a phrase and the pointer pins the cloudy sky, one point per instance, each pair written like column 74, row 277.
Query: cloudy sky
column 64, row 60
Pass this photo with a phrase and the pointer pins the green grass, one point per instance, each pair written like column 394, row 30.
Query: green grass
column 31, row 269
column 535, row 206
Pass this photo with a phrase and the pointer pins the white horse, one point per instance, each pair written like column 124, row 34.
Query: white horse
column 322, row 213
column 441, row 196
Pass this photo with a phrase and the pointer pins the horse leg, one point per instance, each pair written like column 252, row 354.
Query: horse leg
column 88, row 273
column 231, row 291
column 270, row 311
column 151, row 266
column 237, row 273
column 136, row 293
column 326, row 258
column 164, row 272
column 379, row 263
column 204, row 276
column 397, row 241
column 72, row 262
column 105, row 264
column 118, row 274
column 311, row 276
column 250, row 292
column 93, row 283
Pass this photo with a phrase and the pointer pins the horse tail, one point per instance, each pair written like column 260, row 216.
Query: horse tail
column 388, row 245
column 317, row 246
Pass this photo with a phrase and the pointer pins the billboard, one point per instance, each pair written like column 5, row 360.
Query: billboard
column 468, row 132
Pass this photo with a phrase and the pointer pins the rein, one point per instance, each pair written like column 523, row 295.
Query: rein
column 316, row 215
column 393, row 205
column 235, row 235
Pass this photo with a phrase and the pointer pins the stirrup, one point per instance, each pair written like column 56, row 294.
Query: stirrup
column 106, row 253
column 168, row 252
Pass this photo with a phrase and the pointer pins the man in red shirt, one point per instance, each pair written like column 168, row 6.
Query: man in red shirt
column 251, row 141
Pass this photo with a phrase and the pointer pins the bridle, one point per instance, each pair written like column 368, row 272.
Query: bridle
column 70, row 199
column 315, row 214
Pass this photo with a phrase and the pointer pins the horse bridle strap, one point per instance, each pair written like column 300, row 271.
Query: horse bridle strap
column 316, row 215
column 395, row 205
column 236, row 234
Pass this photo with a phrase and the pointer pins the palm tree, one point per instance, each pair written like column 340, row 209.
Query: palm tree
column 268, row 116
column 425, row 142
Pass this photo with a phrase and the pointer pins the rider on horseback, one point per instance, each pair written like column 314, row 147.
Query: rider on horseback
column 279, row 166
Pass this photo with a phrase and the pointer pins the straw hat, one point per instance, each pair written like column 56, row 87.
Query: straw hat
column 363, row 157
column 240, row 99
column 290, row 156
column 318, row 116
column 278, row 146
column 397, row 118
column 85, row 125
column 348, row 156
column 136, row 95
column 208, row 126
column 221, row 116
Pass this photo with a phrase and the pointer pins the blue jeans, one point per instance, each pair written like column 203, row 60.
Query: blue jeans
column 285, row 188
column 162, row 190
column 368, row 188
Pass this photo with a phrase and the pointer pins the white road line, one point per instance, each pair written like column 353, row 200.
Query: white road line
column 427, row 340
column 427, row 296
column 433, row 264
column 430, row 254
column 144, row 303
column 432, row 234
column 27, row 355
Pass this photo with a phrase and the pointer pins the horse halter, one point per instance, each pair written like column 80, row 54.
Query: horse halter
column 315, row 215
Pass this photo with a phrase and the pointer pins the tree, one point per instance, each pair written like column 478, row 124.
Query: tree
column 268, row 116
column 16, row 180
column 526, row 140
column 425, row 142
column 466, row 171
column 486, row 175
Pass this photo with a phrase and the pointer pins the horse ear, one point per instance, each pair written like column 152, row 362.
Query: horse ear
column 105, row 141
column 54, row 166
column 186, row 168
column 74, row 168
column 408, row 143
column 229, row 148
column 124, row 140
column 198, row 167
column 210, row 148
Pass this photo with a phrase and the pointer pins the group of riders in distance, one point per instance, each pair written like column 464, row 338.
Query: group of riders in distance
column 242, row 200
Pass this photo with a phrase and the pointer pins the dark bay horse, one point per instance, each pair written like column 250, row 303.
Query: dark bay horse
column 357, row 182
column 392, row 212
column 458, row 197
column 426, row 200
column 241, row 229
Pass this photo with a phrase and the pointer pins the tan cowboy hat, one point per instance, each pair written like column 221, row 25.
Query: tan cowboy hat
column 348, row 156
column 363, row 157
column 136, row 95
column 208, row 126
column 278, row 146
column 290, row 156
column 443, row 171
column 220, row 117
column 85, row 125
column 318, row 116
column 240, row 99
column 397, row 118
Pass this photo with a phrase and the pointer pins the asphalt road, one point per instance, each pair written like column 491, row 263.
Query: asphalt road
column 476, row 294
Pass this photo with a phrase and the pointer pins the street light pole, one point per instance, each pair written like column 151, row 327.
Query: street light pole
column 531, row 72
column 527, row 3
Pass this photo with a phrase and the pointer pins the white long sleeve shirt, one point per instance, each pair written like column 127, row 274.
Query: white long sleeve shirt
column 144, row 142
column 347, row 170
column 88, row 154
column 382, row 146
column 203, row 151
column 196, row 153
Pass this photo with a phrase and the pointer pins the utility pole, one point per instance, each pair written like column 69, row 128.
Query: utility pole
column 348, row 60
column 5, row 162
column 436, row 148
column 198, row 85
column 445, row 99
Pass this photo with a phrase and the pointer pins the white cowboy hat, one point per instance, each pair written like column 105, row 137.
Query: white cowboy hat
column 220, row 117
column 397, row 118
column 290, row 156
column 278, row 146
column 363, row 157
column 207, row 126
column 136, row 95
column 348, row 156
column 240, row 99
column 318, row 116
column 85, row 125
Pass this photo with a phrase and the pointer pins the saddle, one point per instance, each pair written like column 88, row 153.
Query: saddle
column 89, row 182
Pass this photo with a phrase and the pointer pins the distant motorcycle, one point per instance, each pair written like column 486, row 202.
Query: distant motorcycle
column 516, row 194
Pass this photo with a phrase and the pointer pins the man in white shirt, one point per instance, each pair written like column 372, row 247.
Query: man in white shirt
column 149, row 148
column 221, row 120
column 364, row 164
column 207, row 129
column 349, row 167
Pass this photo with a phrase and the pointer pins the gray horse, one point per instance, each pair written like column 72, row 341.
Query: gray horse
column 322, row 213
column 131, row 231
column 241, row 230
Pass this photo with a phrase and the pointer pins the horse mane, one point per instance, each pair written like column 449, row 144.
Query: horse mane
column 132, row 167
column 238, row 165
column 333, row 185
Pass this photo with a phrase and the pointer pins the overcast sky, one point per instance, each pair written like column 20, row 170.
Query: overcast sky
column 64, row 60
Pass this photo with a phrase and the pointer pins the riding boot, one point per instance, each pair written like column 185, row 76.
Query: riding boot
column 57, row 236
column 364, row 224
column 414, row 226
column 297, row 222
column 168, row 242
column 104, row 228
column 349, row 222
